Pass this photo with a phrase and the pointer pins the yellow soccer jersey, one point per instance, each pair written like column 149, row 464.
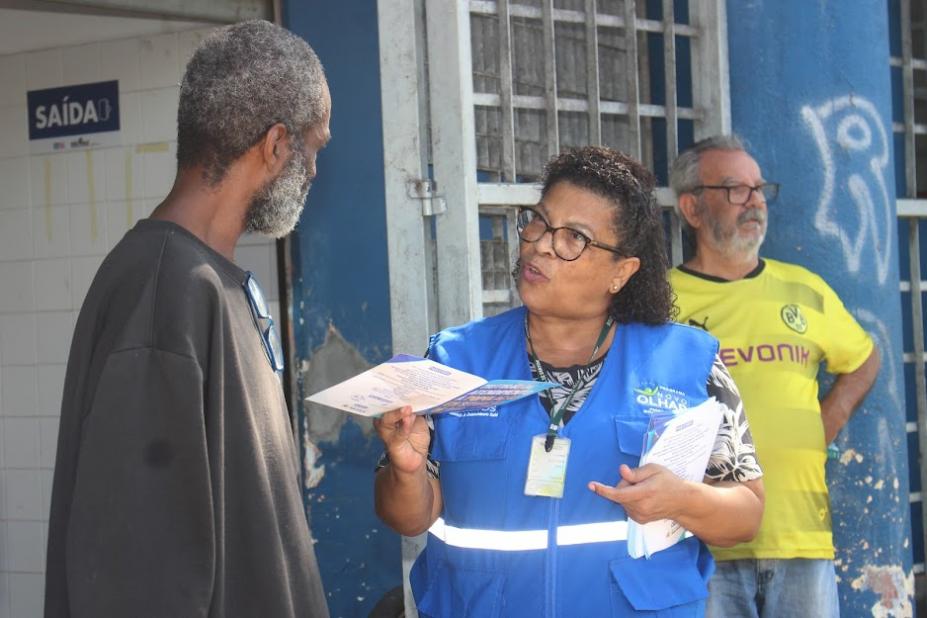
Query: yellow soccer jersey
column 775, row 327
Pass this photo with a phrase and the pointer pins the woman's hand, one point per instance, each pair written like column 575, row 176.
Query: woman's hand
column 721, row 513
column 406, row 437
column 647, row 494
column 405, row 496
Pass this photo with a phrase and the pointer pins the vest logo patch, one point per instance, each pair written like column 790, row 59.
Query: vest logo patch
column 794, row 319
column 657, row 398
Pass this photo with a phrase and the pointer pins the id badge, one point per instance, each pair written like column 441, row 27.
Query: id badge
column 547, row 471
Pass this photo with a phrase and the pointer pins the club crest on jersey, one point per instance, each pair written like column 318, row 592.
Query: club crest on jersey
column 793, row 318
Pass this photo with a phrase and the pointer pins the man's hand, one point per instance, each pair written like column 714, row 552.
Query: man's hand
column 846, row 394
column 406, row 437
column 647, row 494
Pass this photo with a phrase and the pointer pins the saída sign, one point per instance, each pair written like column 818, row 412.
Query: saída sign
column 80, row 116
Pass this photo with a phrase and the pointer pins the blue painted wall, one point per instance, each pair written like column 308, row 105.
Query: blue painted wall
column 340, row 278
column 811, row 93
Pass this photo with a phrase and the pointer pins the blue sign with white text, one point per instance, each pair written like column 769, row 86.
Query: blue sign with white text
column 73, row 110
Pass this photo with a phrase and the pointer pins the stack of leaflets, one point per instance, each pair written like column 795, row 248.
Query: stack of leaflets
column 681, row 442
column 427, row 386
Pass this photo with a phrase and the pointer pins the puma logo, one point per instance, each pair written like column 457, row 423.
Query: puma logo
column 703, row 325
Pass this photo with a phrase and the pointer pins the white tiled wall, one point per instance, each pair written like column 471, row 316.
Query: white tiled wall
column 59, row 215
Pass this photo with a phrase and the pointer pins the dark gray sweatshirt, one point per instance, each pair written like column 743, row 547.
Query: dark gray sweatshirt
column 176, row 489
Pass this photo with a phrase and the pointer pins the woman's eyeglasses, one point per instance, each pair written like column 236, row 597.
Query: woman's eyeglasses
column 567, row 243
column 264, row 322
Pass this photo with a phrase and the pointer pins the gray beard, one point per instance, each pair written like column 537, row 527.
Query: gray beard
column 274, row 210
column 729, row 243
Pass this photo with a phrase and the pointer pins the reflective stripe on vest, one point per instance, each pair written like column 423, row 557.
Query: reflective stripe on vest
column 524, row 540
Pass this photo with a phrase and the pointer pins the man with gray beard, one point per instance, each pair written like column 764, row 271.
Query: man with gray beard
column 777, row 322
column 176, row 488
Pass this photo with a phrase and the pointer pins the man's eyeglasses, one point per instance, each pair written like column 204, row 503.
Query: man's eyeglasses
column 261, row 313
column 567, row 243
column 738, row 195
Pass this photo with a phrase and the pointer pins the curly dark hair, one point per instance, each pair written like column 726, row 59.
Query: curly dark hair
column 638, row 223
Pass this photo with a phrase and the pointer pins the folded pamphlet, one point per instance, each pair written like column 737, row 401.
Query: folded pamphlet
column 681, row 442
column 427, row 386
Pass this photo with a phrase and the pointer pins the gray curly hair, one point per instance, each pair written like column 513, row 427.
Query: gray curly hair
column 242, row 80
column 684, row 174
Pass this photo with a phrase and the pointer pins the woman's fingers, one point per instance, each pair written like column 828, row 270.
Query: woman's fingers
column 399, row 420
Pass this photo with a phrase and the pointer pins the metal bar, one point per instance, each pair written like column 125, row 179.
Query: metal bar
column 919, row 129
column 488, row 7
column 505, row 89
column 669, row 64
column 911, row 208
column 550, row 71
column 424, row 111
column 400, row 72
column 592, row 73
column 528, row 194
column 634, row 122
column 496, row 296
column 710, row 68
column 404, row 224
column 918, row 64
column 907, row 71
column 454, row 154
column 521, row 194
column 616, row 108
column 666, row 199
column 513, row 242
column 424, row 115
column 917, row 328
column 676, row 256
column 645, row 90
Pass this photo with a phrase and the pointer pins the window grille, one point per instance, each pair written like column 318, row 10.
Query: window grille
column 909, row 74
column 640, row 77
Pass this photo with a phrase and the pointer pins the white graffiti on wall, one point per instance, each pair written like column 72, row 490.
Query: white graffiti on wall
column 851, row 122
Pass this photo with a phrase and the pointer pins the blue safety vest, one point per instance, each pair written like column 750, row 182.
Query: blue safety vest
column 495, row 551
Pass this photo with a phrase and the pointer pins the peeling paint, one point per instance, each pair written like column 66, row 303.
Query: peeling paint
column 894, row 589
column 879, row 484
column 850, row 455
column 314, row 472
column 334, row 361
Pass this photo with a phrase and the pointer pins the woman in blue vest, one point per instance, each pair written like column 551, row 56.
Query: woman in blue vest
column 510, row 534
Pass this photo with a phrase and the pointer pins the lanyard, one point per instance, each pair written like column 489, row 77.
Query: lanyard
column 557, row 414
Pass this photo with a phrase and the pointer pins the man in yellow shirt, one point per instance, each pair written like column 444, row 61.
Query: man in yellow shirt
column 777, row 322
